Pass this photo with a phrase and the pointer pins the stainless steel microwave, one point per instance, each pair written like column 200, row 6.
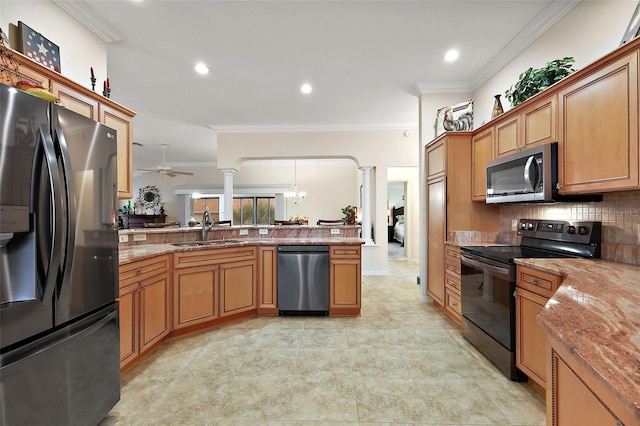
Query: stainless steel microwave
column 527, row 176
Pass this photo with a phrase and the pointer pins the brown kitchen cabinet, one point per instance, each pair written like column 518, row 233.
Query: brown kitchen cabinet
column 345, row 280
column 533, row 290
column 452, row 285
column 211, row 284
column 267, row 272
column 598, row 141
column 534, row 124
column 145, row 305
column 82, row 100
column 450, row 208
column 481, row 154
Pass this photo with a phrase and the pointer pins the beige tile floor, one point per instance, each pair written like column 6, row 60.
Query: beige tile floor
column 401, row 362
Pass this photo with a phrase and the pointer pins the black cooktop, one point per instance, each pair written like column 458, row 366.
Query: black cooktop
column 507, row 254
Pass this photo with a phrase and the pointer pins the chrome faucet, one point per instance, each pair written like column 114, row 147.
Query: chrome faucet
column 207, row 223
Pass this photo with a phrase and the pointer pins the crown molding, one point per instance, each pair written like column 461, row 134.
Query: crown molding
column 551, row 14
column 87, row 16
column 314, row 128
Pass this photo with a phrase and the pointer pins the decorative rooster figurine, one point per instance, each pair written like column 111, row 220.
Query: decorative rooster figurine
column 36, row 90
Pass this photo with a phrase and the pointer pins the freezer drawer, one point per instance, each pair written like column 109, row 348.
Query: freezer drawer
column 71, row 377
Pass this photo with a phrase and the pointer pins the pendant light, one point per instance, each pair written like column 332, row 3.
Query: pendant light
column 296, row 196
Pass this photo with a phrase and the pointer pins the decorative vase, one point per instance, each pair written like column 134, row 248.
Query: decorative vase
column 497, row 107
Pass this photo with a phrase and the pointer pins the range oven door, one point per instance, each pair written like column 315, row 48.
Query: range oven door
column 487, row 298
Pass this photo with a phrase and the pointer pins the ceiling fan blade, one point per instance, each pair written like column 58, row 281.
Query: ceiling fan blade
column 183, row 173
column 170, row 173
column 148, row 170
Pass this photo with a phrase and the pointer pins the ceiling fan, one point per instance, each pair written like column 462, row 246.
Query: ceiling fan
column 164, row 169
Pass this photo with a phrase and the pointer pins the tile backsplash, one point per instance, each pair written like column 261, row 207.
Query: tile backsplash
column 619, row 213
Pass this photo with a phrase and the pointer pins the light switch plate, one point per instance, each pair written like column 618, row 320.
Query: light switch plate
column 244, row 232
column 514, row 224
column 139, row 237
column 263, row 231
column 335, row 232
column 123, row 238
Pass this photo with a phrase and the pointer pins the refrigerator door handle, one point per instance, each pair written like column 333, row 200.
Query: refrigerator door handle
column 55, row 184
column 70, row 200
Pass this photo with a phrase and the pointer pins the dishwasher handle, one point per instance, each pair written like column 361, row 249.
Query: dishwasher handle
column 303, row 249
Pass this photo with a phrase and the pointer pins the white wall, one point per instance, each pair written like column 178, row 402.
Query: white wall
column 377, row 149
column 80, row 49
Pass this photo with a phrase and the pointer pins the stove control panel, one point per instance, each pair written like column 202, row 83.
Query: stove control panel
column 559, row 230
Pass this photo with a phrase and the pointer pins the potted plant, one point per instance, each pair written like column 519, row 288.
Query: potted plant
column 349, row 213
column 534, row 81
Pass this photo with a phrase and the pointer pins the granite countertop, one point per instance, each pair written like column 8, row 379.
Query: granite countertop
column 145, row 251
column 595, row 314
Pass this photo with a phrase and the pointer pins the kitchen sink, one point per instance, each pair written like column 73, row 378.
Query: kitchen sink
column 206, row 243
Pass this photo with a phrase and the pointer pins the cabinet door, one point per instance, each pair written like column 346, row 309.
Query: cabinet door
column 436, row 159
column 573, row 403
column 344, row 278
column 531, row 339
column 539, row 122
column 237, row 287
column 124, row 127
column 128, row 321
column 268, row 278
column 598, row 144
column 507, row 137
column 75, row 101
column 154, row 310
column 195, row 295
column 481, row 154
column 436, row 236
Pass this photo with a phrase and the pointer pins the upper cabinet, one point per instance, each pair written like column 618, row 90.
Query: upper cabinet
column 598, row 144
column 481, row 154
column 77, row 98
column 533, row 125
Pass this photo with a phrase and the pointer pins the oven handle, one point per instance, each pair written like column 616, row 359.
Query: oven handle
column 477, row 263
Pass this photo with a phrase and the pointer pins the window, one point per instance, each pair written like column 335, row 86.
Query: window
column 202, row 204
column 253, row 210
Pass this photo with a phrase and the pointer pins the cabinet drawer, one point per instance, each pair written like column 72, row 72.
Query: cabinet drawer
column 212, row 257
column 453, row 305
column 137, row 271
column 538, row 282
column 453, row 267
column 452, row 282
column 453, row 253
column 344, row 252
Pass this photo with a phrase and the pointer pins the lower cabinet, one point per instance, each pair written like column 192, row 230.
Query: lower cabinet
column 533, row 290
column 195, row 295
column 345, row 280
column 452, row 284
column 237, row 287
column 268, row 279
column 145, row 306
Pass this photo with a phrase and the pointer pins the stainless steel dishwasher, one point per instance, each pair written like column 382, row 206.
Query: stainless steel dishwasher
column 303, row 280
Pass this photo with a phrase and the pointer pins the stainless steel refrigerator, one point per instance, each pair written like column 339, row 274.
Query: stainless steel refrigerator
column 59, row 336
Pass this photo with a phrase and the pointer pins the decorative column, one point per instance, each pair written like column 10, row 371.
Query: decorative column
column 366, row 204
column 228, row 195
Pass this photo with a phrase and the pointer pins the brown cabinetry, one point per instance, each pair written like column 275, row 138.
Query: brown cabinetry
column 345, row 279
column 450, row 207
column 211, row 284
column 145, row 305
column 481, row 154
column 267, row 273
column 534, row 288
column 598, row 143
column 81, row 100
column 452, row 286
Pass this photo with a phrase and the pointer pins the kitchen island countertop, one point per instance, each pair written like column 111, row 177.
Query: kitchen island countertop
column 595, row 315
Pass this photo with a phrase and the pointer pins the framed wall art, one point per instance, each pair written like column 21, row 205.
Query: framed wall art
column 35, row 46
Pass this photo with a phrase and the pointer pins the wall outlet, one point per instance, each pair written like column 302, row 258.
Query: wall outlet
column 335, row 232
column 514, row 224
column 123, row 238
column 263, row 231
column 139, row 237
column 244, row 232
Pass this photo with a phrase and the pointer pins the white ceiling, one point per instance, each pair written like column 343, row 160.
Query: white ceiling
column 367, row 62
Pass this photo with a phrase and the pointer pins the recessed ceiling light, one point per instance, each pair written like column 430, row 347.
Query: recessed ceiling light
column 201, row 68
column 451, row 55
column 306, row 88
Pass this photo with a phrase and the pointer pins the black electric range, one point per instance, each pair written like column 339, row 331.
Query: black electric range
column 488, row 282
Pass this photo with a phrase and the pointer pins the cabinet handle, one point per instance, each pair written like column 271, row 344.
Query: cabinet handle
column 515, row 293
column 534, row 281
column 139, row 271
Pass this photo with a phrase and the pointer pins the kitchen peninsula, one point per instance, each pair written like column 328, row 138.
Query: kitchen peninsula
column 173, row 284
